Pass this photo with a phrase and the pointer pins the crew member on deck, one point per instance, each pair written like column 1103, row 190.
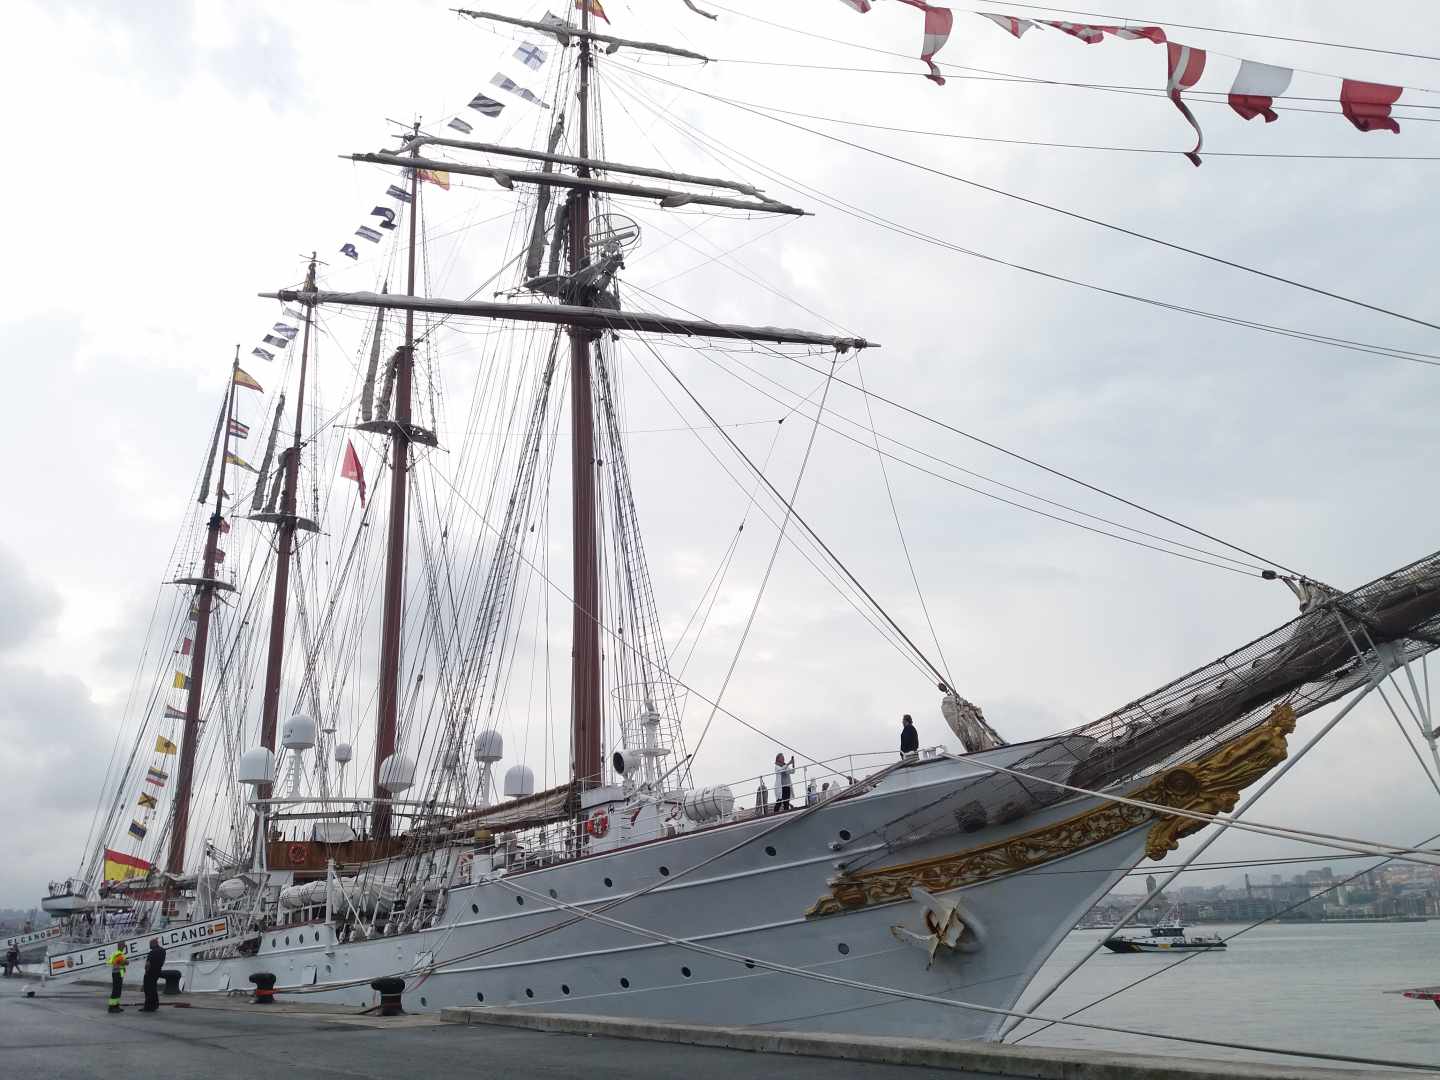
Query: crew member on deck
column 784, row 789
column 118, row 963
column 909, row 737
column 154, row 964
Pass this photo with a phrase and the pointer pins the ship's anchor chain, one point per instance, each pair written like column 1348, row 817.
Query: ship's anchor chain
column 950, row 927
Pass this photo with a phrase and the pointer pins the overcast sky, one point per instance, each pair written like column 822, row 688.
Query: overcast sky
column 178, row 158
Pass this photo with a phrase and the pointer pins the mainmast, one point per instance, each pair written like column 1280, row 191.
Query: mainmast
column 205, row 587
column 400, row 435
column 288, row 520
column 585, row 693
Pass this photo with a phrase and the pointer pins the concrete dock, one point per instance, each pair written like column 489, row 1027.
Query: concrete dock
column 64, row 1032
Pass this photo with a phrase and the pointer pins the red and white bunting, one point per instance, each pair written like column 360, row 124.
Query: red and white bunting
column 1137, row 33
column 1367, row 105
column 1256, row 87
column 861, row 6
column 1186, row 65
column 1091, row 35
column 1011, row 24
column 938, row 22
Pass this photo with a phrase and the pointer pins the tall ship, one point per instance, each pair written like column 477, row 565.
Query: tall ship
column 329, row 772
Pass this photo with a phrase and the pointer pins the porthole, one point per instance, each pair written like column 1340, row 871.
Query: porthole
column 664, row 871
column 529, row 992
column 520, row 900
column 287, row 939
column 475, row 908
column 479, row 996
column 685, row 971
column 423, row 1002
column 554, row 895
column 844, row 834
column 608, row 883
column 565, row 988
column 272, row 943
column 750, row 964
column 769, row 850
column 327, row 969
column 844, row 949
column 625, row 984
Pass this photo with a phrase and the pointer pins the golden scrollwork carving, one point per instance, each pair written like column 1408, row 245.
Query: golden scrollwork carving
column 1211, row 785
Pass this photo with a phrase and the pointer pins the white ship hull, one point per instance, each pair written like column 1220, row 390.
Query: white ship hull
column 751, row 902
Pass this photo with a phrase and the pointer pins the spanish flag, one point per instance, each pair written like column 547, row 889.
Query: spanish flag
column 438, row 177
column 122, row 867
column 164, row 746
column 182, row 681
column 243, row 378
column 594, row 6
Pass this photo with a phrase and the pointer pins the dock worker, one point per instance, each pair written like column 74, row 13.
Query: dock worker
column 12, row 961
column 154, row 964
column 118, row 963
column 909, row 737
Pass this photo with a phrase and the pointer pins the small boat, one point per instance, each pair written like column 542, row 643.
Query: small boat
column 1168, row 935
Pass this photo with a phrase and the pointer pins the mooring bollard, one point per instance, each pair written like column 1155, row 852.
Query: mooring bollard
column 389, row 990
column 172, row 980
column 264, row 987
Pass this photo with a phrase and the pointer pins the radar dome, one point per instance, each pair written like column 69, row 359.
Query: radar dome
column 397, row 773
column 298, row 733
column 519, row 782
column 256, row 766
column 489, row 747
column 343, row 753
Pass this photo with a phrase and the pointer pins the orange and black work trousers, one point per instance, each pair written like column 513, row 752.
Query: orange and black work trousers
column 117, row 980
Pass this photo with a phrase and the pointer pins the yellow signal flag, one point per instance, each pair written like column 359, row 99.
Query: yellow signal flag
column 439, row 177
column 182, row 681
column 164, row 746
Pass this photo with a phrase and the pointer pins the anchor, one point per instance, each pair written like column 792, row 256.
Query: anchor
column 950, row 926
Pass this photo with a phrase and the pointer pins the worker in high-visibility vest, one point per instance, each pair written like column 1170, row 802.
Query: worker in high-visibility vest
column 118, row 963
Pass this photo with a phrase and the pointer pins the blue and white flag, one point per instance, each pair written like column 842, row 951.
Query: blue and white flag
column 486, row 105
column 257, row 351
column 275, row 341
column 284, row 330
column 386, row 216
column 532, row 56
column 460, row 126
column 398, row 193
column 368, row 233
column 348, row 249
column 504, row 82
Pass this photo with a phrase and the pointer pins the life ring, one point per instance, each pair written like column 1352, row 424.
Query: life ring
column 297, row 854
column 598, row 824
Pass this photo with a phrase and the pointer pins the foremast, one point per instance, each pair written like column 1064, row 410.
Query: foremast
column 206, row 585
column 288, row 521
column 394, row 612
column 585, row 676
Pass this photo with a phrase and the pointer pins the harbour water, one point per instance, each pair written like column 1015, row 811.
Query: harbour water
column 1310, row 986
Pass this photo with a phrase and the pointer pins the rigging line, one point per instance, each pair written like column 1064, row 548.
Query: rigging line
column 1072, row 214
column 1245, row 929
column 1233, row 33
column 1249, row 567
column 769, row 567
column 1429, row 359
column 890, row 991
column 1089, row 146
column 618, row 638
column 899, row 531
column 835, row 559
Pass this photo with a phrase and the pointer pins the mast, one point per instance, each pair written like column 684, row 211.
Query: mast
column 205, row 587
column 395, row 549
column 585, row 689
column 284, row 544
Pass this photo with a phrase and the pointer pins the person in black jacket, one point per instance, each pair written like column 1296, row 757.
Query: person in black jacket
column 909, row 737
column 154, row 964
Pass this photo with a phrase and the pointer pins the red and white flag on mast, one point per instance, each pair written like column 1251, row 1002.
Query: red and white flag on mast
column 351, row 469
column 1367, row 105
column 1186, row 67
column 1011, row 24
column 1256, row 87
